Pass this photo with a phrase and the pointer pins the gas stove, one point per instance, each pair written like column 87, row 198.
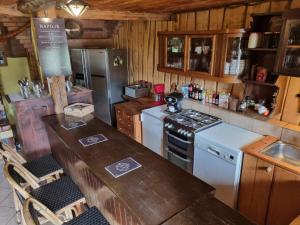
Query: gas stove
column 179, row 136
column 188, row 122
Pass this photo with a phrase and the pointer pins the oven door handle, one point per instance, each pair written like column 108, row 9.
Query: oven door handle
column 177, row 156
column 177, row 138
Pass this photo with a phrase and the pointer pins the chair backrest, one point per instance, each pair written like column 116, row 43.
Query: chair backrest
column 16, row 176
column 32, row 209
column 11, row 154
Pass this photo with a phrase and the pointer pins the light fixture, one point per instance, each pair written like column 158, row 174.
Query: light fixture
column 75, row 7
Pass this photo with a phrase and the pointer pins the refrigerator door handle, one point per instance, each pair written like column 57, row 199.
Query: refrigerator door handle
column 97, row 75
column 85, row 69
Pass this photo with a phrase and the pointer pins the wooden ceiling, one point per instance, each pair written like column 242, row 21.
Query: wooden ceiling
column 7, row 2
column 161, row 6
column 121, row 9
column 154, row 6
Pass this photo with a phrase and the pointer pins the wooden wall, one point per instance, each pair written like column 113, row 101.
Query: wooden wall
column 141, row 41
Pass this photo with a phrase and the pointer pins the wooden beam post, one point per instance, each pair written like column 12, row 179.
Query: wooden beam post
column 56, row 84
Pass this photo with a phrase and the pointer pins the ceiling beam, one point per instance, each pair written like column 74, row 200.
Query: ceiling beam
column 30, row 6
column 10, row 10
column 117, row 15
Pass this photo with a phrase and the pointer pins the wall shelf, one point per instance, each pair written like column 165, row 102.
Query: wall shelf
column 260, row 83
column 225, row 79
column 263, row 49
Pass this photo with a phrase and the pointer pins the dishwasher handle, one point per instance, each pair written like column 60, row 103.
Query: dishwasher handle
column 213, row 151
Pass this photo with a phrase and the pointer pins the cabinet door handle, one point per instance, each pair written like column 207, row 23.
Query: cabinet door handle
column 268, row 169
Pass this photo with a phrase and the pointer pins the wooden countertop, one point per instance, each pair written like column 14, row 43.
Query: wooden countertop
column 155, row 192
column 208, row 211
column 135, row 106
column 17, row 97
column 255, row 149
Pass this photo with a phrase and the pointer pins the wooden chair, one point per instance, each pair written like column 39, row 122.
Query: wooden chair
column 33, row 207
column 42, row 169
column 61, row 196
column 14, row 156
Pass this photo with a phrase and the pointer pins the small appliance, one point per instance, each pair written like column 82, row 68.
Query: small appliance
column 174, row 102
column 159, row 92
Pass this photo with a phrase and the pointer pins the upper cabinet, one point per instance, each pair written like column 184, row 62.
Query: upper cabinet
column 218, row 55
column 201, row 54
column 288, row 58
column 235, row 61
column 175, row 52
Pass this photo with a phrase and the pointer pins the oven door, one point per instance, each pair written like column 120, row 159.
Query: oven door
column 179, row 150
column 179, row 159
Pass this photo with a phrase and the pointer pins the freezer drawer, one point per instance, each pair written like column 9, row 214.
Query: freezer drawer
column 152, row 133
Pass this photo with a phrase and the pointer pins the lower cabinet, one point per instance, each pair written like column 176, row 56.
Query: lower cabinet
column 129, row 124
column 269, row 195
column 285, row 198
column 255, row 188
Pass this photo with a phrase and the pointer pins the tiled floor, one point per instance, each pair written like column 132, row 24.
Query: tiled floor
column 7, row 210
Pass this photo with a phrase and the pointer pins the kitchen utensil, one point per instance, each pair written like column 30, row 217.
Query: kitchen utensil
column 174, row 102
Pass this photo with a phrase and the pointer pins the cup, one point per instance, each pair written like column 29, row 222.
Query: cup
column 198, row 50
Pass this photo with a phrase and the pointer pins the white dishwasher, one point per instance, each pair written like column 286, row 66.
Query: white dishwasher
column 218, row 159
column 152, row 128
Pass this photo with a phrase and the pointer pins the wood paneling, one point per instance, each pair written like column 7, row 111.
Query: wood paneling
column 140, row 38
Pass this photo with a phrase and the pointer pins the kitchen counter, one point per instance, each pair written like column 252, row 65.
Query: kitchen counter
column 152, row 194
column 208, row 211
column 158, row 112
column 16, row 98
column 134, row 106
column 255, row 149
column 28, row 113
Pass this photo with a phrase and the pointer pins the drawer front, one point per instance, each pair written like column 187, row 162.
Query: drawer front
column 126, row 128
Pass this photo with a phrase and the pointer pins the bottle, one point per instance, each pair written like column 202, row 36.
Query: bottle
column 207, row 96
column 200, row 97
column 217, row 99
column 210, row 98
column 204, row 97
column 190, row 87
column 214, row 98
column 193, row 92
column 197, row 92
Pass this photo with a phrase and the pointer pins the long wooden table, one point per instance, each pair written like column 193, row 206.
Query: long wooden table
column 152, row 194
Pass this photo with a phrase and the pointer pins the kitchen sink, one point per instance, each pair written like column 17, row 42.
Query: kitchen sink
column 284, row 152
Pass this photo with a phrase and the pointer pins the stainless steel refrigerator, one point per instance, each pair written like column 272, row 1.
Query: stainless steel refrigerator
column 105, row 72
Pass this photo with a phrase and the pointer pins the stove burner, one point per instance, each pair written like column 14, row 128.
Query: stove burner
column 194, row 120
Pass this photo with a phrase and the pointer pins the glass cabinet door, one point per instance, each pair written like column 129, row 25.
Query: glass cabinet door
column 236, row 56
column 291, row 63
column 201, row 54
column 175, row 52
